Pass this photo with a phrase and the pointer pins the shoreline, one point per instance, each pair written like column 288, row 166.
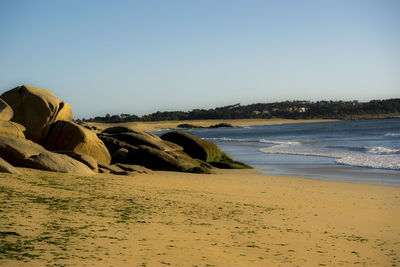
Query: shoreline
column 233, row 217
column 163, row 125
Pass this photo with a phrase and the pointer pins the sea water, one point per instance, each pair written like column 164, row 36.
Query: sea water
column 365, row 151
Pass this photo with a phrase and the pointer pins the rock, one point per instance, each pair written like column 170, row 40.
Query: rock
column 221, row 125
column 103, row 170
column 148, row 150
column 120, row 129
column 196, row 147
column 85, row 159
column 69, row 136
column 188, row 126
column 6, row 112
column 13, row 129
column 36, row 108
column 25, row 153
column 134, row 168
column 137, row 138
column 113, row 169
column 231, row 165
column 7, row 167
column 203, row 150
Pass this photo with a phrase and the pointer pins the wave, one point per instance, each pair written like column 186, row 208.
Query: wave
column 279, row 142
column 226, row 139
column 390, row 162
column 370, row 157
column 393, row 135
column 382, row 150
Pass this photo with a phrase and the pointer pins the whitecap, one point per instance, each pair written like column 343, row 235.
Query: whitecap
column 382, row 150
column 393, row 135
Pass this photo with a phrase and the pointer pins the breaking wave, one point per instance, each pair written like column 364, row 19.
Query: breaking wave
column 370, row 157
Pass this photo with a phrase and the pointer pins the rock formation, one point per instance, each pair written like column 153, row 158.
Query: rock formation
column 36, row 108
column 140, row 148
column 203, row 150
column 69, row 136
column 25, row 153
column 6, row 112
column 7, row 167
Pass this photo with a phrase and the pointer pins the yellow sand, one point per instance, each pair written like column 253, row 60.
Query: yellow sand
column 232, row 218
column 159, row 125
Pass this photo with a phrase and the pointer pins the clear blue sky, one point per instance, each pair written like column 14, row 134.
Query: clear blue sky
column 139, row 57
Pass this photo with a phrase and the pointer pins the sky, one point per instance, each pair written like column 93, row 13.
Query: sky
column 139, row 57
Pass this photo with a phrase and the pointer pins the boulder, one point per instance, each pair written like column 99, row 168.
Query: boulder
column 222, row 125
column 111, row 168
column 188, row 126
column 13, row 129
column 137, row 138
column 6, row 112
column 148, row 150
column 196, row 147
column 25, row 153
column 7, row 167
column 85, row 159
column 69, row 136
column 134, row 168
column 203, row 150
column 230, row 165
column 36, row 108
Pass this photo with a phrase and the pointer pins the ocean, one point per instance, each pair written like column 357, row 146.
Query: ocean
column 364, row 151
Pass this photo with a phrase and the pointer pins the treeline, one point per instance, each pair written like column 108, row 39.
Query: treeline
column 287, row 110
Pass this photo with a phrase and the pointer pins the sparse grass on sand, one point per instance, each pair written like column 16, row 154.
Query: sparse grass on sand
column 233, row 218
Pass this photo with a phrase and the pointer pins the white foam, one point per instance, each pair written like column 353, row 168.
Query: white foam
column 225, row 139
column 391, row 162
column 376, row 157
column 382, row 150
column 279, row 142
column 395, row 135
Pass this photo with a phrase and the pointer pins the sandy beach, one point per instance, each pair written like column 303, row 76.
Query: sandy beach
column 232, row 218
column 162, row 125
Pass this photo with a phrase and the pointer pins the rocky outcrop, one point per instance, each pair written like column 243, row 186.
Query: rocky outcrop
column 9, row 128
column 140, row 148
column 7, row 167
column 196, row 147
column 134, row 168
column 35, row 109
column 189, row 126
column 6, row 112
column 85, row 159
column 203, row 150
column 69, row 136
column 222, row 125
column 25, row 153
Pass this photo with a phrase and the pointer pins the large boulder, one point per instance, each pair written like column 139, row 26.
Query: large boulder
column 25, row 153
column 203, row 150
column 6, row 112
column 140, row 148
column 36, row 108
column 85, row 159
column 69, row 136
column 7, row 167
column 196, row 147
column 10, row 128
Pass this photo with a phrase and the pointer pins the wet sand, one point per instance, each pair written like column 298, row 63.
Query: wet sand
column 232, row 218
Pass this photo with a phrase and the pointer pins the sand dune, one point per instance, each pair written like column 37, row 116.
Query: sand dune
column 233, row 218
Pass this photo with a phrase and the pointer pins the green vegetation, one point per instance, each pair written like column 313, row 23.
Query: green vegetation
column 287, row 110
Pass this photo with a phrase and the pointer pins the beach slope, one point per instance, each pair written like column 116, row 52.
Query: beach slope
column 232, row 218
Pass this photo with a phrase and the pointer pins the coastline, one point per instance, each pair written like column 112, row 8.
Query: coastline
column 232, row 218
column 162, row 125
